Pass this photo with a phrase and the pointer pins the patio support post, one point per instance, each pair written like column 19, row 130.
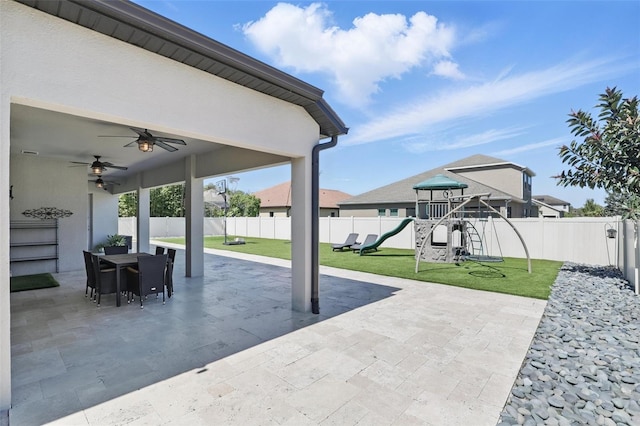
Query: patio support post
column 5, row 286
column 142, row 218
column 194, row 220
column 301, row 241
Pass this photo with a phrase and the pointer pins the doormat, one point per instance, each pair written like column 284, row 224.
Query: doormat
column 33, row 282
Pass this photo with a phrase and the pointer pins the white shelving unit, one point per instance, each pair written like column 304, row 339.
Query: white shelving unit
column 34, row 246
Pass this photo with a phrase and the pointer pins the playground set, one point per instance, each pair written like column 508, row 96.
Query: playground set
column 451, row 228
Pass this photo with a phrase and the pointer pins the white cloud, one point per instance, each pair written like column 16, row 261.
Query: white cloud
column 415, row 117
column 532, row 146
column 358, row 59
column 448, row 69
column 442, row 143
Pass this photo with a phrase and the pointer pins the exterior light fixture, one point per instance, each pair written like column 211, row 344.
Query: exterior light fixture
column 145, row 145
column 99, row 183
column 97, row 168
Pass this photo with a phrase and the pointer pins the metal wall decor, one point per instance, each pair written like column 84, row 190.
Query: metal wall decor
column 47, row 213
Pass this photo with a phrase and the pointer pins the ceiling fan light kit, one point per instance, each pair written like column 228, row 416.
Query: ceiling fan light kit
column 97, row 168
column 145, row 145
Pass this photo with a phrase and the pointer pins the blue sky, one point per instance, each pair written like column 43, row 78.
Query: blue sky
column 424, row 83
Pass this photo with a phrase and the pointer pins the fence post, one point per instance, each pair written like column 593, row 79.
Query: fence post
column 636, row 258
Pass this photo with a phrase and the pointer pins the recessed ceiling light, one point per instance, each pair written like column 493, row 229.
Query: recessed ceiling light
column 28, row 152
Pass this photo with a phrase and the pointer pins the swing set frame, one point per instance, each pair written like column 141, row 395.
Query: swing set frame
column 466, row 199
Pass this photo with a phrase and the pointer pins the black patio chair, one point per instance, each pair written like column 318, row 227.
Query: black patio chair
column 105, row 278
column 171, row 257
column 91, row 278
column 159, row 250
column 148, row 278
column 351, row 240
column 116, row 250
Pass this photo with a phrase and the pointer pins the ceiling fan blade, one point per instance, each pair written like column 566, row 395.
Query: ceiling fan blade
column 165, row 146
column 170, row 140
column 142, row 133
column 115, row 136
column 113, row 166
column 130, row 144
column 79, row 163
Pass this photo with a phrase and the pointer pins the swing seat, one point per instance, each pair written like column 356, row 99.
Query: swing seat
column 484, row 258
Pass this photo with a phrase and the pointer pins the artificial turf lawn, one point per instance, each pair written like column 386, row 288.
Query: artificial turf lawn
column 510, row 276
column 33, row 282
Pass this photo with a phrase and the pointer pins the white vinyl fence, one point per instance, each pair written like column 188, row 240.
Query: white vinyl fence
column 581, row 240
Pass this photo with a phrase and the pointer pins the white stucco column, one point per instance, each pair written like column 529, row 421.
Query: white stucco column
column 5, row 306
column 194, row 222
column 301, row 234
column 142, row 221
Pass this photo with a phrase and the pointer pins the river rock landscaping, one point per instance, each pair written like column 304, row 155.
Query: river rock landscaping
column 583, row 366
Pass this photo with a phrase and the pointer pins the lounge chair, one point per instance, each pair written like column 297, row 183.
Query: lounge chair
column 370, row 239
column 351, row 240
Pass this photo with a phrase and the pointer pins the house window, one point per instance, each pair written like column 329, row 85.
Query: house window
column 411, row 212
column 509, row 211
column 393, row 212
column 333, row 214
column 382, row 212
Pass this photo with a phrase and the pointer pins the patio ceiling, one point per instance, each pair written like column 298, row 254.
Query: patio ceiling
column 71, row 138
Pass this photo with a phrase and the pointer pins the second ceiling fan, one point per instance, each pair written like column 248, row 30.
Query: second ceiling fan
column 146, row 141
column 98, row 167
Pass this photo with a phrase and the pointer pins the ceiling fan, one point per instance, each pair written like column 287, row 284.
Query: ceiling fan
column 100, row 183
column 146, row 141
column 98, row 167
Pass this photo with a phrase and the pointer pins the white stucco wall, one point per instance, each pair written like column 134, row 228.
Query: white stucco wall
column 81, row 72
column 104, row 215
column 43, row 182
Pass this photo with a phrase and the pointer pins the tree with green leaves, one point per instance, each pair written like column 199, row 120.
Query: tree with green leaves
column 592, row 209
column 128, row 205
column 242, row 204
column 608, row 156
column 622, row 204
column 168, row 201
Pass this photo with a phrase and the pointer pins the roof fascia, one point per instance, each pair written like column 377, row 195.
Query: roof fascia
column 489, row 165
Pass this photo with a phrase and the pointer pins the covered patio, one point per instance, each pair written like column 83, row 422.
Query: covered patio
column 86, row 81
column 228, row 349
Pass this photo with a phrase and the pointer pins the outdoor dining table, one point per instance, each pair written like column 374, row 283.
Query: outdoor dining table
column 119, row 261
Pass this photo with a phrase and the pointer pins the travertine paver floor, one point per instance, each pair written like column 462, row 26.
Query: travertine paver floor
column 227, row 349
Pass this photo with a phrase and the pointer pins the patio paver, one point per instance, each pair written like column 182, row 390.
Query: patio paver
column 227, row 349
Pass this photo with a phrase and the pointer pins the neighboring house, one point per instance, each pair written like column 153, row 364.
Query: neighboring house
column 276, row 201
column 545, row 210
column 549, row 206
column 508, row 183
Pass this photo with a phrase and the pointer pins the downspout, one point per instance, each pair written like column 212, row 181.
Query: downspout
column 315, row 221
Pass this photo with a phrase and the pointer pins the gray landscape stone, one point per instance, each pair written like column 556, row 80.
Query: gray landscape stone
column 583, row 365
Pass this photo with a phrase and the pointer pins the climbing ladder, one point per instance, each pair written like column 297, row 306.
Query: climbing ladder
column 474, row 240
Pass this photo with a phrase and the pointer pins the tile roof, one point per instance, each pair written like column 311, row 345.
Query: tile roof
column 280, row 196
column 402, row 191
column 480, row 160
